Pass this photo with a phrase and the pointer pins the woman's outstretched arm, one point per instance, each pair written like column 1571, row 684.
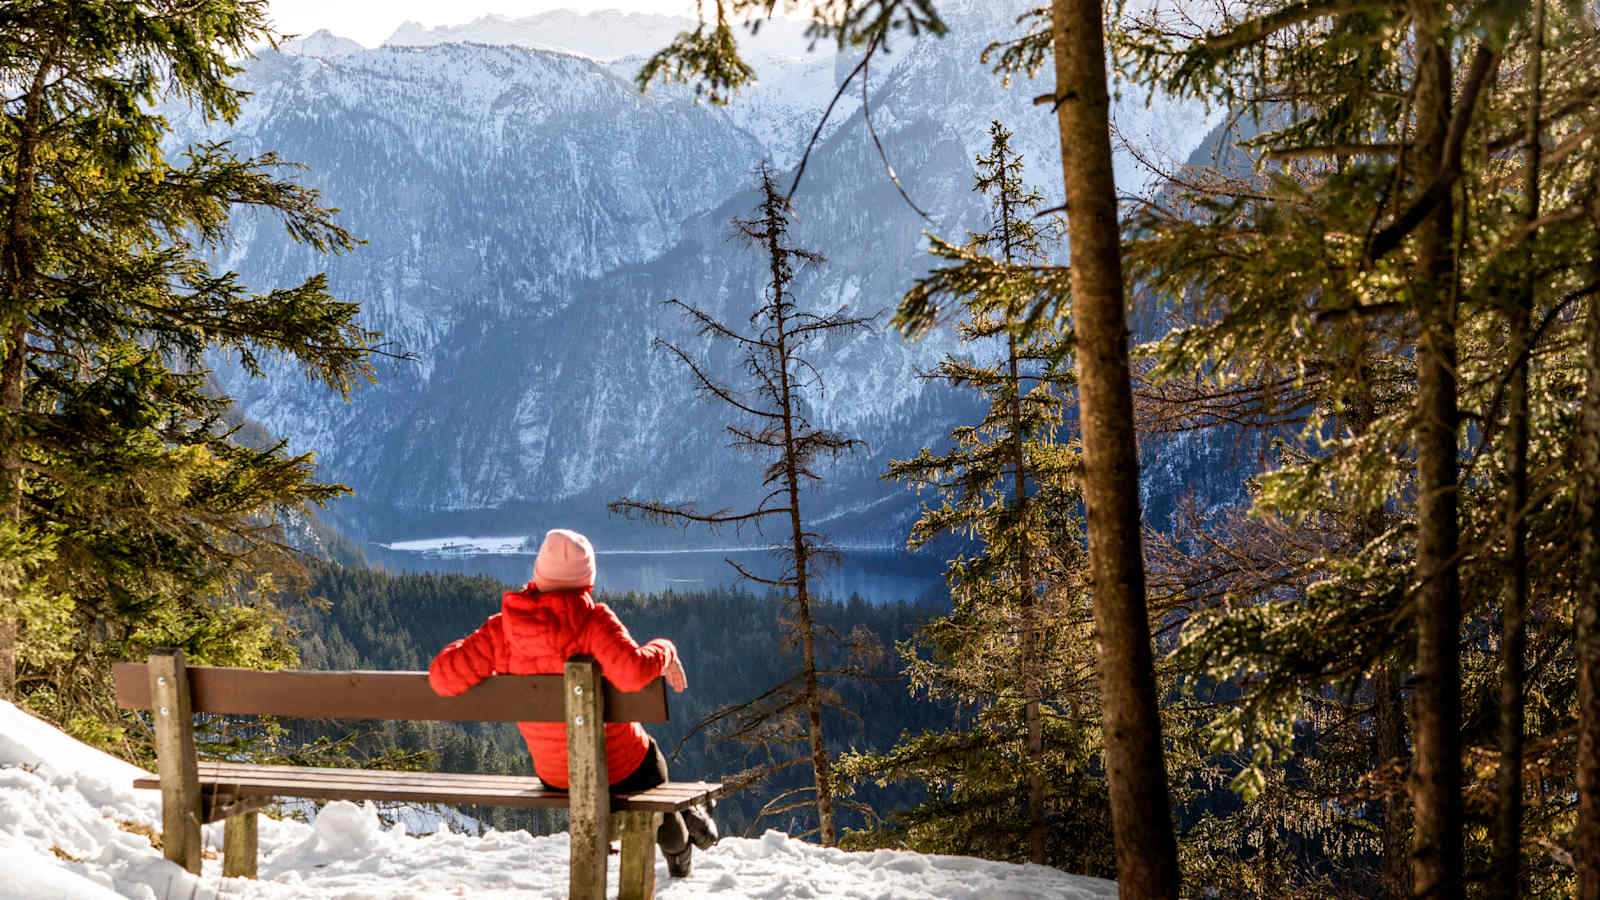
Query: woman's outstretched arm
column 628, row 665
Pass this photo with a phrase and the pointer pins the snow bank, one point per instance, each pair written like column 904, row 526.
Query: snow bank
column 71, row 828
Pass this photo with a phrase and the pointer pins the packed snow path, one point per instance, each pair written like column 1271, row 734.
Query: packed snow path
column 71, row 828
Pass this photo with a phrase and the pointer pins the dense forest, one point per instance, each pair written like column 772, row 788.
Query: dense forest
column 1378, row 674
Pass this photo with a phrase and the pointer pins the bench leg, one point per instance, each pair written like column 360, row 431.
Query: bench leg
column 173, row 718
column 638, row 877
column 588, row 792
column 239, row 846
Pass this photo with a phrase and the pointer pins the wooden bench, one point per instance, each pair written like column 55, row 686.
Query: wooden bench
column 194, row 793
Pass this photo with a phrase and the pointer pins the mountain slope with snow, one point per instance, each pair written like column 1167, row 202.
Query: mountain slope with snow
column 71, row 828
column 526, row 211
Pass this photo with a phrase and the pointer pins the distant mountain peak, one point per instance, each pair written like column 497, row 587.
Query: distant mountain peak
column 322, row 44
column 605, row 35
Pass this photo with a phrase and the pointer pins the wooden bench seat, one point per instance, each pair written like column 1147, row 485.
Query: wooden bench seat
column 246, row 780
column 195, row 792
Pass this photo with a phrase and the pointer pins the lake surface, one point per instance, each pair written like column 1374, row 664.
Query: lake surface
column 878, row 576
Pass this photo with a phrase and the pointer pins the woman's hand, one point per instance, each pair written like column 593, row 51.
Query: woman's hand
column 675, row 677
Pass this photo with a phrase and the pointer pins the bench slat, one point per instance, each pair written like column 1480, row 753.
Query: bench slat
column 247, row 780
column 383, row 695
column 223, row 780
column 216, row 772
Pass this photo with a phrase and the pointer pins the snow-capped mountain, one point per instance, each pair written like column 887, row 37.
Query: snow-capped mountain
column 606, row 35
column 526, row 209
column 323, row 44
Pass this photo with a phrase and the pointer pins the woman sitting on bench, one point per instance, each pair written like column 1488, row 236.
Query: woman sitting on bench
column 534, row 633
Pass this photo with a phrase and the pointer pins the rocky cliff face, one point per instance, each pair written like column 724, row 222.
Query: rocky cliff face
column 526, row 209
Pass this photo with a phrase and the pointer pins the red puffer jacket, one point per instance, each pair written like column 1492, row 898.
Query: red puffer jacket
column 533, row 634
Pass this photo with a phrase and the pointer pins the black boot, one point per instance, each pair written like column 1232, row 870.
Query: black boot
column 673, row 839
column 678, row 863
column 702, row 828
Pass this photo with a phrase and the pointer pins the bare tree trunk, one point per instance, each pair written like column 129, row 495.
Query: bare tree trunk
column 1586, row 849
column 820, row 764
column 1506, row 865
column 1436, row 770
column 1147, row 858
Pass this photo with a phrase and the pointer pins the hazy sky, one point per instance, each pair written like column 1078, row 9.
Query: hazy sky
column 370, row 21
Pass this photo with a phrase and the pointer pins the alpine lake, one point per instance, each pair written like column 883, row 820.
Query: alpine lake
column 876, row 576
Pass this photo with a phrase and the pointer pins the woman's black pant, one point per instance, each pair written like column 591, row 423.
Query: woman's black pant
column 673, row 835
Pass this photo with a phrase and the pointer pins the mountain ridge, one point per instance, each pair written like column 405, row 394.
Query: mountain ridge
column 527, row 210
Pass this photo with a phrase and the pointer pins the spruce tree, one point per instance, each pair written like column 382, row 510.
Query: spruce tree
column 135, row 515
column 774, row 425
column 1013, row 652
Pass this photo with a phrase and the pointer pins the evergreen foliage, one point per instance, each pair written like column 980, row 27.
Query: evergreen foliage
column 1012, row 777
column 708, row 57
column 1352, row 286
column 135, row 515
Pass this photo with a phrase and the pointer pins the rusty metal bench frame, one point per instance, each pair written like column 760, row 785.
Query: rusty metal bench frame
column 194, row 793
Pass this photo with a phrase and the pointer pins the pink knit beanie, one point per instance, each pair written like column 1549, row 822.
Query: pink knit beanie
column 565, row 562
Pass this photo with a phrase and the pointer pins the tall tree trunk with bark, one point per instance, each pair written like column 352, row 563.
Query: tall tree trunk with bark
column 1146, row 849
column 1586, row 849
column 1436, row 769
column 1389, row 712
column 1027, row 594
column 17, row 267
column 1506, row 866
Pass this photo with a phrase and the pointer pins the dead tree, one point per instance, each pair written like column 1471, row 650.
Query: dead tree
column 772, row 425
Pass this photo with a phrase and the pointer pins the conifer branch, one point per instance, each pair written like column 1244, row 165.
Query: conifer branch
column 1484, row 62
column 1256, row 30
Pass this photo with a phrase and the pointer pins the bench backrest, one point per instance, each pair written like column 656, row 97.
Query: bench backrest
column 174, row 692
column 383, row 695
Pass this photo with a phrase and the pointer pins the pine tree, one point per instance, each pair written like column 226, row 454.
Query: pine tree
column 135, row 516
column 775, row 427
column 1012, row 654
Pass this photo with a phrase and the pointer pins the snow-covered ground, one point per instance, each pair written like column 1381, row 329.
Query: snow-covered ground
column 72, row 828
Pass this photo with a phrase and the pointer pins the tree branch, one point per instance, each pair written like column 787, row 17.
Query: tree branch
column 1484, row 62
